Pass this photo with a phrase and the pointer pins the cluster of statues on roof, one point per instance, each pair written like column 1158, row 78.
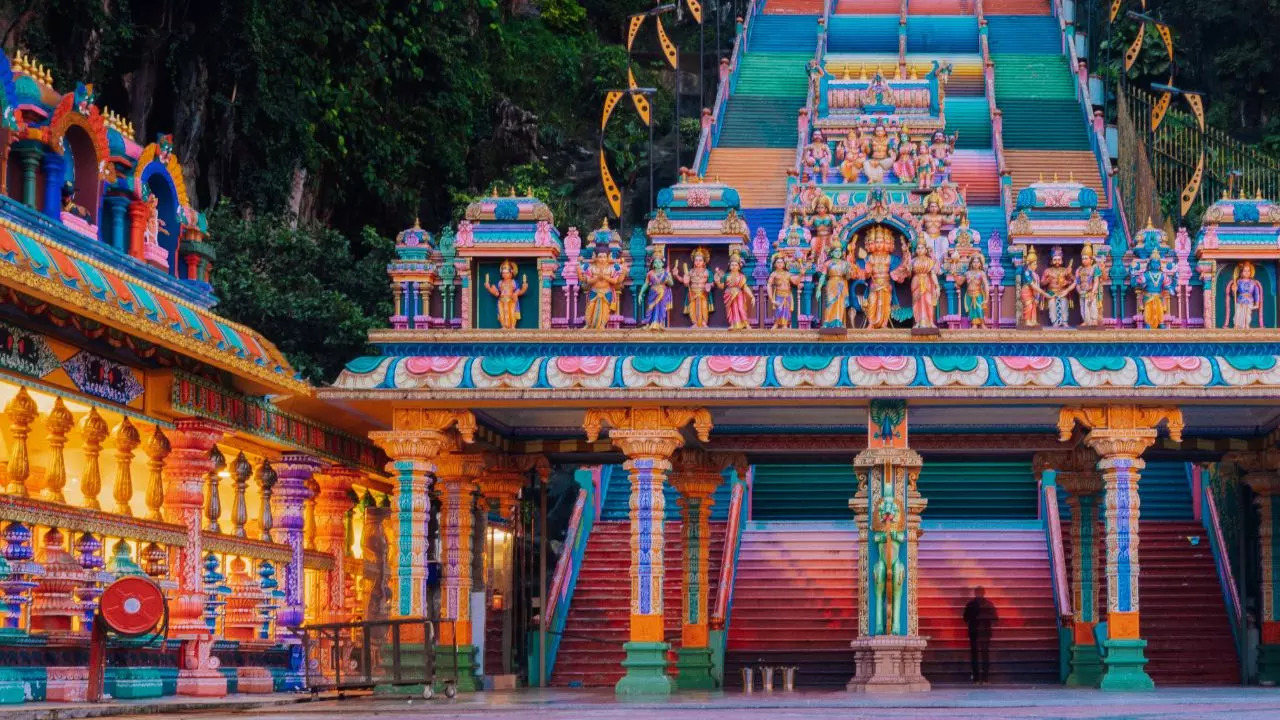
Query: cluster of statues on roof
column 1053, row 289
column 883, row 152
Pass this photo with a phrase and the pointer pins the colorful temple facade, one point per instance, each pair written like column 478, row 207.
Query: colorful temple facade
column 792, row 421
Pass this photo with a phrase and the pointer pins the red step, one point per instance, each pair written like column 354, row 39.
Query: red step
column 590, row 653
column 868, row 7
column 793, row 7
column 941, row 7
column 1015, row 7
column 975, row 172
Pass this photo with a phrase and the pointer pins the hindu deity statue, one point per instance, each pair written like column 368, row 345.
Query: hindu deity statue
column 923, row 170
column 1245, row 294
column 940, row 151
column 905, row 166
column 603, row 279
column 888, row 535
column 508, row 292
column 1153, row 281
column 930, row 226
column 782, row 298
column 1057, row 283
column 1029, row 292
column 71, row 207
column 977, row 291
column 817, row 155
column 153, row 225
column 925, row 289
column 878, row 95
column 879, row 270
column 881, row 151
column 657, row 293
column 822, row 224
column 697, row 304
column 739, row 301
column 851, row 157
column 1089, row 288
column 833, row 288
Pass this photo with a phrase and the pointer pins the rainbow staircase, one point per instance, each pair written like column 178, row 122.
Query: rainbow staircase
column 590, row 651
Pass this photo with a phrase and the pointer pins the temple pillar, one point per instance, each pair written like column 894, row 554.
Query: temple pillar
column 184, row 475
column 1076, row 472
column 1120, row 434
column 696, row 477
column 293, row 472
column 117, row 208
column 53, row 178
column 647, row 436
column 139, row 212
column 29, row 154
column 886, row 509
column 418, row 437
column 456, row 475
column 331, row 537
column 21, row 413
column 1262, row 474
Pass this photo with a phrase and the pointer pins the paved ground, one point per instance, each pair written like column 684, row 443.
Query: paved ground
column 1217, row 703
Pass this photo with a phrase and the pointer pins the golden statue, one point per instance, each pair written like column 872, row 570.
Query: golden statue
column 508, row 292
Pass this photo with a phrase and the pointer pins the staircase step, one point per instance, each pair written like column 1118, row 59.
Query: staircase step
column 793, row 7
column 758, row 174
column 868, row 7
column 941, row 7
column 1015, row 7
column 863, row 34
column 784, row 33
column 1028, row 166
column 942, row 34
column 1027, row 34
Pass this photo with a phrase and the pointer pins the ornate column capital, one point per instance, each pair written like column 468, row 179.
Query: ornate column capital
column 1114, row 429
column 696, row 473
column 421, row 433
column 1075, row 470
column 505, row 475
column 1260, row 470
column 647, row 432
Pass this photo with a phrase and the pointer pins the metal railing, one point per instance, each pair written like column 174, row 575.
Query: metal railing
column 359, row 656
column 1213, row 525
column 1058, row 565
column 710, row 134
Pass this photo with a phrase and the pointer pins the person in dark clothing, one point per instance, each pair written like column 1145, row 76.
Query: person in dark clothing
column 980, row 615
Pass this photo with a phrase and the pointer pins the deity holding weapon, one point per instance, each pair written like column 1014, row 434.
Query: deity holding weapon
column 782, row 298
column 880, row 268
column 1244, row 293
column 1089, row 288
column 603, row 279
column 822, row 225
column 657, row 293
column 508, row 292
column 888, row 534
column 1058, row 282
column 1029, row 293
column 817, row 156
column 697, row 304
column 977, row 291
column 739, row 301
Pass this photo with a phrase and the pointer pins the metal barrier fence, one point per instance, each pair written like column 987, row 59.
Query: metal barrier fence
column 360, row 656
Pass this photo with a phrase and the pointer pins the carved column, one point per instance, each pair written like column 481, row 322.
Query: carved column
column 93, row 430
column 503, row 478
column 696, row 477
column 294, row 471
column 886, row 509
column 127, row 440
column 184, row 475
column 1120, row 434
column 21, row 412
column 1262, row 474
column 58, row 424
column 418, row 437
column 241, row 471
column 456, row 475
column 1076, row 472
column 331, row 536
column 647, row 436
column 158, row 449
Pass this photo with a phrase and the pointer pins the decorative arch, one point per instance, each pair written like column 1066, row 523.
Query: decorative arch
column 77, row 110
column 866, row 220
column 159, row 157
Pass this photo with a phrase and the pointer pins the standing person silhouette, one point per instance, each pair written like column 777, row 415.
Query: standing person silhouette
column 980, row 615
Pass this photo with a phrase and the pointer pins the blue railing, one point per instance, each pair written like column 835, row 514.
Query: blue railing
column 1213, row 528
column 710, row 135
column 1058, row 565
column 720, row 614
column 565, row 579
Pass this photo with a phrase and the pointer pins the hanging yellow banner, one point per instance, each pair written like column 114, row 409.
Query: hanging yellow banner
column 1115, row 8
column 1162, row 107
column 1167, row 36
column 695, row 8
column 640, row 101
column 668, row 48
column 611, row 191
column 1193, row 185
column 635, row 22
column 611, row 99
column 1197, row 107
column 1131, row 55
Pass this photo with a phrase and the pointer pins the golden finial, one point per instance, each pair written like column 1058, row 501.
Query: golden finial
column 1149, row 225
column 511, row 191
column 416, row 224
column 1055, row 176
column 862, row 71
column 844, row 72
column 1041, row 176
column 1257, row 195
column 1071, row 176
column 1240, row 195
column 915, row 73
column 605, row 225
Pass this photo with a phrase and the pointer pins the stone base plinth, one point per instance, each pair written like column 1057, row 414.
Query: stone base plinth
column 201, row 683
column 67, row 684
column 254, row 680
column 457, row 663
column 1086, row 666
column 693, row 669
column 888, row 664
column 646, row 666
column 1124, row 666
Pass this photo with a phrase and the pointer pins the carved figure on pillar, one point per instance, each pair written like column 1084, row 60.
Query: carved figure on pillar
column 1120, row 434
column 886, row 510
column 647, row 436
column 1089, row 288
column 1244, row 293
column 697, row 304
